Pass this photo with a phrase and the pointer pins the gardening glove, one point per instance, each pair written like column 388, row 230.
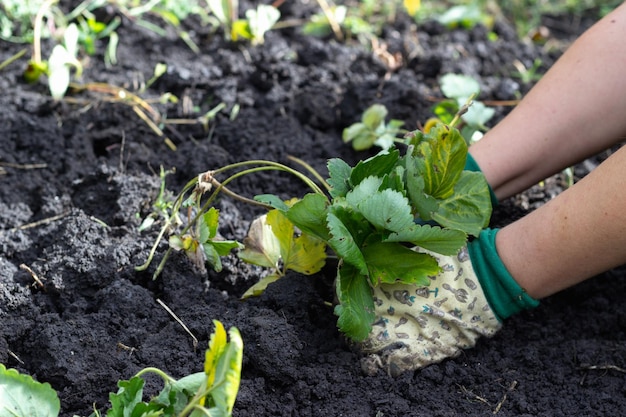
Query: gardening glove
column 417, row 326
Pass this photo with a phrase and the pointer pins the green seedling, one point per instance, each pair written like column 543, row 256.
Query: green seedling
column 528, row 75
column 373, row 130
column 253, row 28
column 460, row 91
column 465, row 16
column 202, row 243
column 256, row 24
column 337, row 20
column 62, row 58
column 211, row 392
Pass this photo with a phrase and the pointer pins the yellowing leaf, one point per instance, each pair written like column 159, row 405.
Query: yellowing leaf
column 272, row 243
column 258, row 288
column 217, row 345
column 412, row 6
column 261, row 246
column 307, row 255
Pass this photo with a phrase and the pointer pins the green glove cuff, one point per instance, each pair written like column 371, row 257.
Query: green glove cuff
column 504, row 295
column 472, row 165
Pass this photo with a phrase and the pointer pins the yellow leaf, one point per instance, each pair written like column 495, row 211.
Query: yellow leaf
column 412, row 6
column 217, row 344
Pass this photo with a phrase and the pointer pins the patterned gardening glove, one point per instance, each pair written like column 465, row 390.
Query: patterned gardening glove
column 418, row 326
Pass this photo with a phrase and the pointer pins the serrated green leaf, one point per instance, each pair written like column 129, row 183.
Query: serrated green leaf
column 344, row 244
column 309, row 215
column 387, row 209
column 393, row 262
column 444, row 152
column 435, row 239
column 356, row 304
column 339, row 177
column 363, row 190
column 22, row 396
column 469, row 209
column 379, row 165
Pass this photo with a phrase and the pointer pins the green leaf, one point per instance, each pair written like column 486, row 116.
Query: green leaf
column 127, row 399
column 272, row 200
column 469, row 209
column 261, row 20
column 211, row 219
column 422, row 202
column 356, row 304
column 446, row 110
column 393, row 262
column 339, row 177
column 212, row 257
column 377, row 166
column 435, row 239
column 478, row 114
column 444, row 153
column 344, row 245
column 309, row 215
column 374, row 116
column 363, row 190
column 22, row 396
column 458, row 86
column 387, row 209
column 354, row 131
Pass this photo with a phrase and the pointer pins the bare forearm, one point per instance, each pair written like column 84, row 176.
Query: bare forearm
column 576, row 110
column 576, row 236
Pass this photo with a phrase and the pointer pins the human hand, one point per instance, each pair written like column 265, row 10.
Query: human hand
column 417, row 326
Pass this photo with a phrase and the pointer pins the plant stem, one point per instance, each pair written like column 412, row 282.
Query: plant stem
column 37, row 29
column 157, row 371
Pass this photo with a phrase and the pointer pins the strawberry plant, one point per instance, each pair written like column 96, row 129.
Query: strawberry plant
column 211, row 392
column 369, row 215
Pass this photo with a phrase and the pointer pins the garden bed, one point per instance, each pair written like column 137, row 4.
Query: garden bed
column 78, row 176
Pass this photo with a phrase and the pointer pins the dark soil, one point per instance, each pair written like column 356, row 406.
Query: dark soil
column 73, row 221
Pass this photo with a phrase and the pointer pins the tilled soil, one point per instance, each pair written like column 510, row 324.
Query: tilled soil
column 79, row 175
